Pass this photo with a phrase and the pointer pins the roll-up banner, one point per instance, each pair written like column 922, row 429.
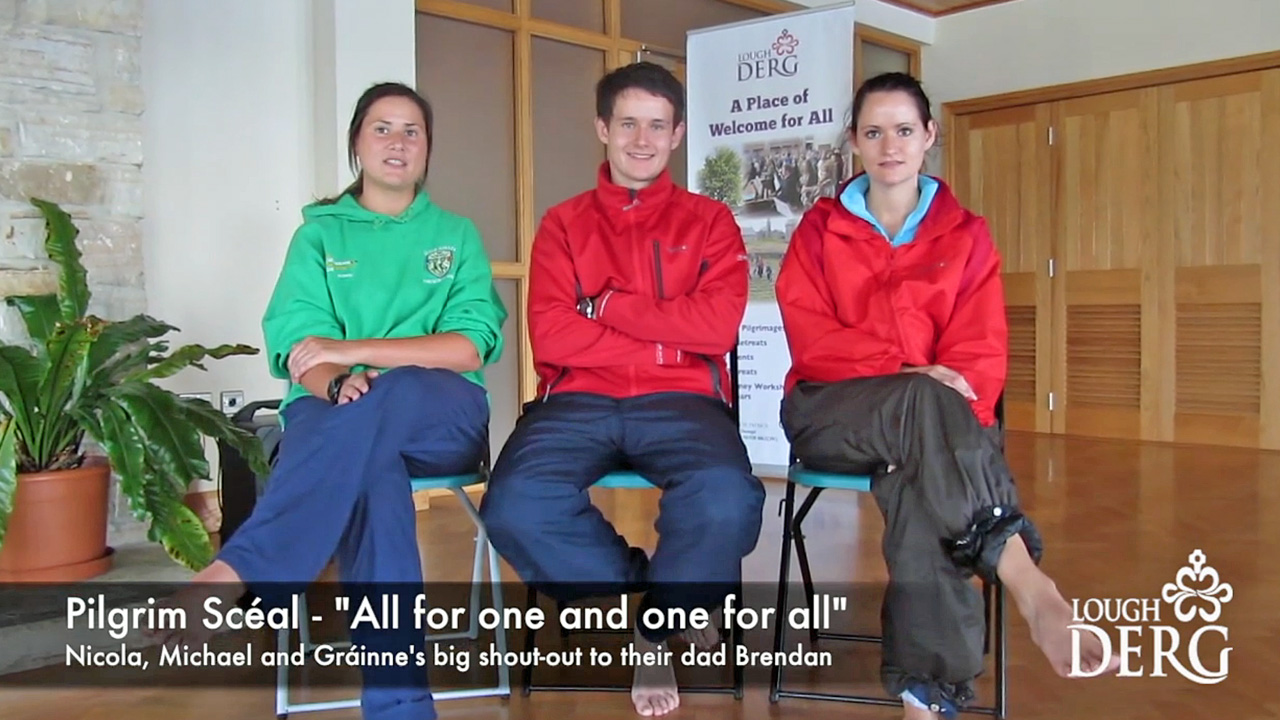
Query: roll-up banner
column 768, row 101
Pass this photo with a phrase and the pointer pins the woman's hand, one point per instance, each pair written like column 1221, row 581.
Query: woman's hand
column 948, row 377
column 315, row 351
column 356, row 386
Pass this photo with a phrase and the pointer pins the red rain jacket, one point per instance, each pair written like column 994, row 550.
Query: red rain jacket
column 855, row 306
column 667, row 269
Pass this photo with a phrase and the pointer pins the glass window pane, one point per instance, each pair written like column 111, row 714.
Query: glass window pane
column 586, row 14
column 466, row 72
column 503, row 377
column 877, row 59
column 566, row 151
column 504, row 5
column 665, row 22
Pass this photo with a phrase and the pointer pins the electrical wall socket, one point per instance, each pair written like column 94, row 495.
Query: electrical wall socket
column 232, row 400
column 205, row 396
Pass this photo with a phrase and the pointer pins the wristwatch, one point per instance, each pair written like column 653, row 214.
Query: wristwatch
column 335, row 386
column 587, row 308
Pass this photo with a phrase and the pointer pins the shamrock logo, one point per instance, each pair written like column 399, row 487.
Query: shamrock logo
column 785, row 44
column 1197, row 589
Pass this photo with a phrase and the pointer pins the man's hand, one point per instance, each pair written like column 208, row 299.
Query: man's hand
column 946, row 376
column 356, row 386
column 315, row 351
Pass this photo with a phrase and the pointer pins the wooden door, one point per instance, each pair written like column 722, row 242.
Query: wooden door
column 1002, row 161
column 1220, row 145
column 1106, row 356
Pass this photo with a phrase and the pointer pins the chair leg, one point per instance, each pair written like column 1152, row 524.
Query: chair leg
column 784, row 572
column 531, row 601
column 1002, row 669
column 477, row 581
column 483, row 548
column 500, row 635
column 282, row 674
column 986, row 617
column 304, row 628
column 805, row 574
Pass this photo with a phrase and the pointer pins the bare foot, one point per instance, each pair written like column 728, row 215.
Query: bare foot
column 653, row 686
column 218, row 580
column 1050, row 617
column 706, row 638
column 1048, row 614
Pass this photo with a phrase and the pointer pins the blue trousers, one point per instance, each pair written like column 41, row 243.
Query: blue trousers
column 540, row 518
column 340, row 487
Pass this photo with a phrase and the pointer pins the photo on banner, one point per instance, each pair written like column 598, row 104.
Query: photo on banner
column 767, row 117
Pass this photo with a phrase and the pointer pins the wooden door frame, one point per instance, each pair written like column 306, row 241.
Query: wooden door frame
column 1067, row 91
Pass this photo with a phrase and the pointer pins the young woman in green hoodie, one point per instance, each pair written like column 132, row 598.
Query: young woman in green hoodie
column 382, row 319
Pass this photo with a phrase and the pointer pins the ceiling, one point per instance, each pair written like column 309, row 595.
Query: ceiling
column 942, row 7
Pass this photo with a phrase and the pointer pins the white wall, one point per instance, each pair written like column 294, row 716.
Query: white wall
column 227, row 138
column 1035, row 43
column 247, row 104
column 883, row 16
column 374, row 42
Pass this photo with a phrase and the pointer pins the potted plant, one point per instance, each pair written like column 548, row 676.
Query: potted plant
column 83, row 377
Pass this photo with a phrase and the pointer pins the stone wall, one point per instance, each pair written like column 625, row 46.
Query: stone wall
column 71, row 106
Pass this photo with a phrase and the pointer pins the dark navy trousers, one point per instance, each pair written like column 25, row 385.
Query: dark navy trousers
column 340, row 488
column 540, row 518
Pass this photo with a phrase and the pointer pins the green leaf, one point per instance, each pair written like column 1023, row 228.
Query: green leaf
column 39, row 312
column 118, row 335
column 212, row 423
column 62, row 384
column 174, row 449
column 20, row 375
column 8, row 473
column 148, row 481
column 126, row 450
column 187, row 356
column 60, row 245
column 184, row 537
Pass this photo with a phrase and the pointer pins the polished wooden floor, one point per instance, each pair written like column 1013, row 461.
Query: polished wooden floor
column 1119, row 519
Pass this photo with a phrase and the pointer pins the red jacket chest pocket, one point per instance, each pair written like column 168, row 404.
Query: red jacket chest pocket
column 676, row 266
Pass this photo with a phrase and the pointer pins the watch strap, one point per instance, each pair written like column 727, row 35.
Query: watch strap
column 335, row 386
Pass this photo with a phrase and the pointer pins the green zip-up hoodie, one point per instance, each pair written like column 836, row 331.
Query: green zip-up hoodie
column 354, row 274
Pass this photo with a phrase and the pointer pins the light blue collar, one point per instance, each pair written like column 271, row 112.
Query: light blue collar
column 854, row 199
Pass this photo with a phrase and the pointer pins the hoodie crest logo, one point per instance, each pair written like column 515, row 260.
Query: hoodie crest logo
column 440, row 261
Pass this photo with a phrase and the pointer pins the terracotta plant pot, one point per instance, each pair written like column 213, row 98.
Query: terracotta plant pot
column 58, row 529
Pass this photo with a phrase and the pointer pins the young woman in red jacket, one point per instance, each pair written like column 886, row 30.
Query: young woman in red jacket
column 894, row 314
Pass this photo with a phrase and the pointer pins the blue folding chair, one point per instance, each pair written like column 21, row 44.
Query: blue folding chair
column 818, row 481
column 458, row 484
column 630, row 480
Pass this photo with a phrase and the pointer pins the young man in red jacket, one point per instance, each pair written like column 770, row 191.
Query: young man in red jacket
column 636, row 292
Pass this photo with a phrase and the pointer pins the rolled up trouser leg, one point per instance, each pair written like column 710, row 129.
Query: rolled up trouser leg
column 949, row 505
